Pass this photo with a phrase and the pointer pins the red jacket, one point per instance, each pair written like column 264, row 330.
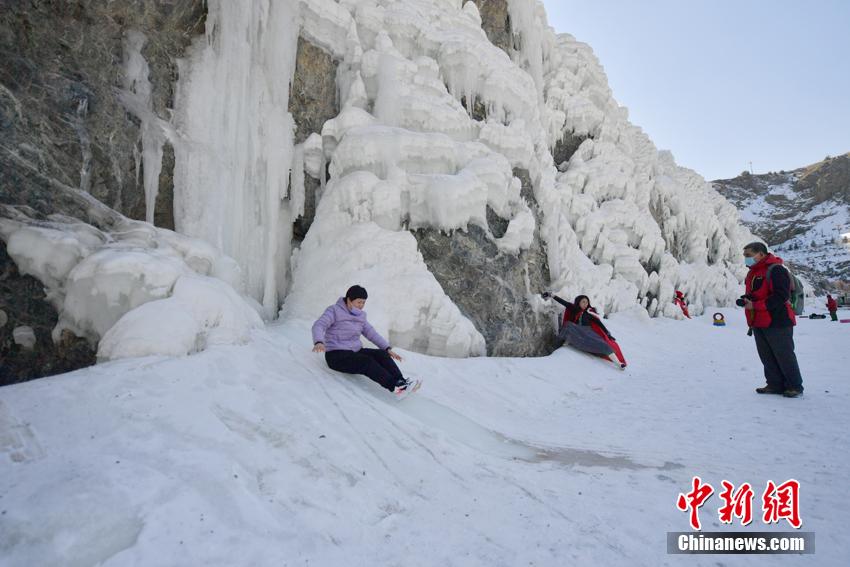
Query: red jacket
column 770, row 296
column 831, row 304
column 682, row 303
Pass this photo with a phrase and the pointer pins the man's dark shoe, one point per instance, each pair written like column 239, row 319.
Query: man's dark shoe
column 768, row 390
column 790, row 393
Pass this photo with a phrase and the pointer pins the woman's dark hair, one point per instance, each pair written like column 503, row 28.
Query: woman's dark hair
column 356, row 292
column 756, row 247
column 578, row 300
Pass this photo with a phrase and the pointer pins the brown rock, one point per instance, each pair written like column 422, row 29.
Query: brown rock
column 312, row 101
column 62, row 127
column 23, row 301
column 496, row 22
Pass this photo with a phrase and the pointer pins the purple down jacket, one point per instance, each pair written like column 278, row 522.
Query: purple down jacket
column 340, row 329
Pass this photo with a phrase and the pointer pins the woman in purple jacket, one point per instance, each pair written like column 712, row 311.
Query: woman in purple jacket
column 337, row 334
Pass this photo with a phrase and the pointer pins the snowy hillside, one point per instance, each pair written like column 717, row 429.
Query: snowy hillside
column 438, row 170
column 803, row 214
column 259, row 455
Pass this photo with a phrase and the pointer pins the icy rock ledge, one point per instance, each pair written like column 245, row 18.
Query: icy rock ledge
column 138, row 290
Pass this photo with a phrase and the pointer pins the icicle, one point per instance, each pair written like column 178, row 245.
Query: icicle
column 296, row 185
column 323, row 174
column 137, row 99
column 85, row 144
column 232, row 168
column 152, row 144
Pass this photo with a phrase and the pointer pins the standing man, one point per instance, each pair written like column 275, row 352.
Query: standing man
column 832, row 307
column 770, row 317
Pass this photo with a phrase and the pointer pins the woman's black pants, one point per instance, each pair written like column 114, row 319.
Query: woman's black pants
column 374, row 363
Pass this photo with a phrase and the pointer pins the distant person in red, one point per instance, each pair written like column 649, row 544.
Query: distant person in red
column 832, row 307
column 581, row 315
column 682, row 303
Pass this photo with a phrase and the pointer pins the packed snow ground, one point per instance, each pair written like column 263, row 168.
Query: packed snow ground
column 260, row 455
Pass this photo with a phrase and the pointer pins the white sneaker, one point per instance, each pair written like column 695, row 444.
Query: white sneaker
column 409, row 386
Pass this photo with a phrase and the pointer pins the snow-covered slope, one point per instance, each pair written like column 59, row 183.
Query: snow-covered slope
column 803, row 214
column 259, row 455
column 436, row 125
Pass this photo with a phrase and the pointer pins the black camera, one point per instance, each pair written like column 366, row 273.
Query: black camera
column 741, row 301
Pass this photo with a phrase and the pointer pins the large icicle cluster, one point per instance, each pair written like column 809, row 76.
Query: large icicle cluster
column 136, row 97
column 405, row 154
column 136, row 289
column 648, row 226
column 232, row 165
column 410, row 149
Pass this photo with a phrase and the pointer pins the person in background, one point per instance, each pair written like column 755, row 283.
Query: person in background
column 337, row 334
column 771, row 320
column 682, row 303
column 832, row 307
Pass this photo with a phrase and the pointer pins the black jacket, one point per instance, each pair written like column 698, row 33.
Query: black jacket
column 579, row 316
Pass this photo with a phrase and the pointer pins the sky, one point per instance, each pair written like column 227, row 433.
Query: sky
column 724, row 83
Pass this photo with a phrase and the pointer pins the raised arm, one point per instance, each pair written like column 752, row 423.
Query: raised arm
column 563, row 302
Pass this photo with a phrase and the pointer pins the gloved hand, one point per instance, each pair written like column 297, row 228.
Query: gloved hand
column 545, row 295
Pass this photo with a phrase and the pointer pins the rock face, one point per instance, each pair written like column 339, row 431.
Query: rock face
column 23, row 303
column 496, row 22
column 66, row 137
column 312, row 101
column 828, row 180
column 493, row 289
column 62, row 124
column 163, row 214
column 565, row 148
column 804, row 215
column 312, row 97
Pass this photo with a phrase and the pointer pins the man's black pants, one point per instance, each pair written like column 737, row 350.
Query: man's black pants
column 374, row 363
column 775, row 346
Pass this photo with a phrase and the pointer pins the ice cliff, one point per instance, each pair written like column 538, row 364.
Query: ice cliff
column 453, row 160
